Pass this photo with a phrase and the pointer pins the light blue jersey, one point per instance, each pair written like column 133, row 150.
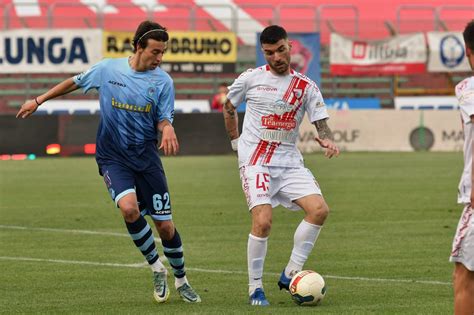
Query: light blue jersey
column 131, row 105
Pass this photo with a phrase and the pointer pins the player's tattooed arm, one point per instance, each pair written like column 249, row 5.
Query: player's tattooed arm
column 231, row 120
column 326, row 138
column 323, row 129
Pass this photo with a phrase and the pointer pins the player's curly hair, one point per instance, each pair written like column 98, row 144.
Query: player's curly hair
column 272, row 34
column 468, row 35
column 149, row 30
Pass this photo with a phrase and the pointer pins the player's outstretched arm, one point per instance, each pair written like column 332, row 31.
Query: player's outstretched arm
column 169, row 141
column 30, row 106
column 231, row 121
column 325, row 138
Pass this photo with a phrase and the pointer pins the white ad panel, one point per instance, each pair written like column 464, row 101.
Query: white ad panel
column 389, row 130
column 403, row 54
column 49, row 51
column 426, row 102
column 447, row 52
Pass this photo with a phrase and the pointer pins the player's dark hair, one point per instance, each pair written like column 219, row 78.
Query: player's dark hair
column 272, row 34
column 149, row 30
column 468, row 35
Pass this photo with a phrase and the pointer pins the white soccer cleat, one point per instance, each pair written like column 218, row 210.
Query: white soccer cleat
column 161, row 292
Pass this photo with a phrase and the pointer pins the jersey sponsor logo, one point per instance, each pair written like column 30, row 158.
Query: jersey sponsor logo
column 112, row 193
column 107, row 179
column 81, row 75
column 298, row 93
column 461, row 86
column 274, row 122
column 278, row 136
column 267, row 89
column 151, row 91
column 280, row 107
column 117, row 83
column 162, row 212
column 131, row 107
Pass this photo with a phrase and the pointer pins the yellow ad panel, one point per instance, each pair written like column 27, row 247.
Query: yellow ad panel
column 182, row 46
column 117, row 44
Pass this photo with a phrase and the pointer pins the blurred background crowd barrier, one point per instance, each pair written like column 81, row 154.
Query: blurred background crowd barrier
column 378, row 60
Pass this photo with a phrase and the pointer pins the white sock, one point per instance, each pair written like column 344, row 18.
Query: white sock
column 158, row 266
column 180, row 281
column 256, row 252
column 304, row 239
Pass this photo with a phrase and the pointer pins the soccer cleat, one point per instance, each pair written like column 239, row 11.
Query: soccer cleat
column 188, row 294
column 284, row 282
column 161, row 291
column 258, row 298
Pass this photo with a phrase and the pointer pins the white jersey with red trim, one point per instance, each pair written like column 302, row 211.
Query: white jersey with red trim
column 275, row 107
column 465, row 96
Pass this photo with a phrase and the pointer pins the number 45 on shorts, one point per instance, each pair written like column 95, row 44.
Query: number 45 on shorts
column 263, row 181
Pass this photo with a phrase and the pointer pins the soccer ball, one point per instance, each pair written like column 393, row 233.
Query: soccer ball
column 307, row 287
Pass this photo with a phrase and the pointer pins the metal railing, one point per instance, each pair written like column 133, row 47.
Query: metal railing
column 234, row 18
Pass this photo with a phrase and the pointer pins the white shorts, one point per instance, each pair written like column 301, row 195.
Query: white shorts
column 463, row 244
column 277, row 185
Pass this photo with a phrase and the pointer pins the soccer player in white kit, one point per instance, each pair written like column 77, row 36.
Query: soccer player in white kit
column 271, row 167
column 463, row 244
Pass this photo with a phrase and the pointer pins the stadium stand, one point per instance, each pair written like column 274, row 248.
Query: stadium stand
column 362, row 20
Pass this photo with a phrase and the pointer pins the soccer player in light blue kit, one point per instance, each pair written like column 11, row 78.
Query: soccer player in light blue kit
column 136, row 101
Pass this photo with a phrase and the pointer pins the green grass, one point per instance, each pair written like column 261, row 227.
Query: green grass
column 384, row 248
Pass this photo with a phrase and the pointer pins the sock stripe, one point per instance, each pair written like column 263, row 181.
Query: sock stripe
column 153, row 259
column 141, row 234
column 149, row 249
column 150, row 241
column 174, row 255
column 137, row 226
column 176, row 263
column 139, row 242
column 177, row 267
column 173, row 250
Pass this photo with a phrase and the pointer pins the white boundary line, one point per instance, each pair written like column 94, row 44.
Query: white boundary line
column 16, row 227
column 145, row 265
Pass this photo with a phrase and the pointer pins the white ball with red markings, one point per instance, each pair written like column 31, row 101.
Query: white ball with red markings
column 307, row 287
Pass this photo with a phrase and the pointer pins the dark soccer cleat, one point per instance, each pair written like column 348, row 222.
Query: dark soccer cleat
column 284, row 282
column 188, row 294
column 258, row 298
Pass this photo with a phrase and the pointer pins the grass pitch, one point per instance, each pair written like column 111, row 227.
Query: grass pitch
column 383, row 250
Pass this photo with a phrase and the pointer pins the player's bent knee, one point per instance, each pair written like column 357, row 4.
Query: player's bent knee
column 130, row 214
column 318, row 213
column 261, row 220
column 262, row 229
column 323, row 210
column 130, row 211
